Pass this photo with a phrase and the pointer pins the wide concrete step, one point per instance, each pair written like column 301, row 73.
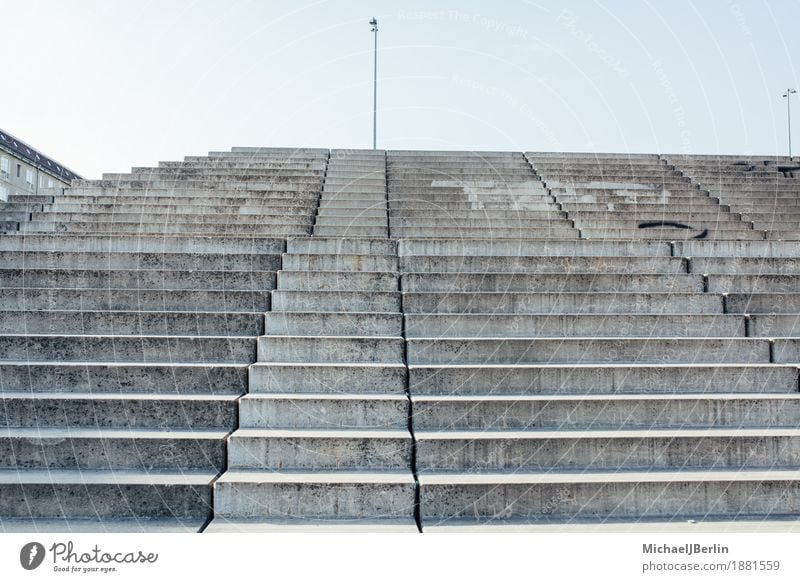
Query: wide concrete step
column 566, row 302
column 100, row 449
column 108, row 495
column 219, row 220
column 316, row 449
column 778, row 303
column 561, row 232
column 549, row 282
column 444, row 209
column 163, row 378
column 545, row 264
column 346, row 213
column 623, row 450
column 737, row 249
column 127, row 348
column 631, row 495
column 523, row 247
column 321, row 323
column 333, row 349
column 179, row 197
column 604, row 411
column 786, row 350
column 423, row 212
column 324, row 411
column 232, row 182
column 315, row 496
column 669, row 234
column 774, row 325
column 230, row 244
column 569, row 325
column 754, row 283
column 165, row 228
column 140, row 261
column 745, row 265
column 595, row 196
column 99, row 299
column 118, row 410
column 336, row 301
column 352, row 221
column 782, row 235
column 339, row 262
column 86, row 322
column 256, row 209
column 327, row 378
column 337, row 281
column 11, row 217
column 350, row 230
column 652, row 350
column 613, row 378
column 618, row 221
column 338, row 246
column 479, row 222
column 288, row 202
column 150, row 279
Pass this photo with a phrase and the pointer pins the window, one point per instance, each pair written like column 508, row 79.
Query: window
column 19, row 169
column 49, row 183
column 29, row 178
column 4, row 167
column 41, row 181
column 3, row 194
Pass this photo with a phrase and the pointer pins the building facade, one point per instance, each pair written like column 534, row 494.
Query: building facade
column 24, row 170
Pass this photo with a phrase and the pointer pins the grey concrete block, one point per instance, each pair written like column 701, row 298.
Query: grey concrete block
column 333, row 349
column 448, row 351
column 307, row 449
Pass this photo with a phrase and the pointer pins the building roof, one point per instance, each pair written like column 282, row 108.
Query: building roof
column 27, row 153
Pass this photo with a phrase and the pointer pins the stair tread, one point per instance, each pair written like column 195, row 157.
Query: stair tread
column 614, row 476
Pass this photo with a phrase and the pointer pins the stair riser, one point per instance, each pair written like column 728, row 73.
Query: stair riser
column 441, row 326
column 114, row 453
column 588, row 351
column 128, row 349
column 651, row 379
column 320, row 324
column 675, row 500
column 324, row 414
column 602, row 454
column 319, row 454
column 99, row 413
column 316, row 501
column 100, row 323
column 310, row 378
column 331, row 349
column 605, row 414
column 150, row 379
column 105, row 501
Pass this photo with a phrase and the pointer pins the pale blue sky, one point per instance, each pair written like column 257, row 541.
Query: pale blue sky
column 105, row 85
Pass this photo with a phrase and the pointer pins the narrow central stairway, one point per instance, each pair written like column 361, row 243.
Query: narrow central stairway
column 323, row 438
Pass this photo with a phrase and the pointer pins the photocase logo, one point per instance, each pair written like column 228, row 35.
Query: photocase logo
column 31, row 555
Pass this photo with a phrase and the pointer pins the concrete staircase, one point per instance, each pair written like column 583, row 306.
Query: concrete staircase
column 470, row 195
column 278, row 339
column 615, row 196
column 323, row 436
column 125, row 343
column 249, row 191
column 764, row 192
column 353, row 202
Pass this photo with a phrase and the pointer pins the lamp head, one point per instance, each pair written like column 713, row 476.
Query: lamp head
column 374, row 24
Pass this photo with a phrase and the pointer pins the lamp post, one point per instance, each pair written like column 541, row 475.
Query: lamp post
column 788, row 96
column 374, row 24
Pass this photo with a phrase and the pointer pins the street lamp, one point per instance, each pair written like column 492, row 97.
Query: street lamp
column 788, row 95
column 374, row 24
